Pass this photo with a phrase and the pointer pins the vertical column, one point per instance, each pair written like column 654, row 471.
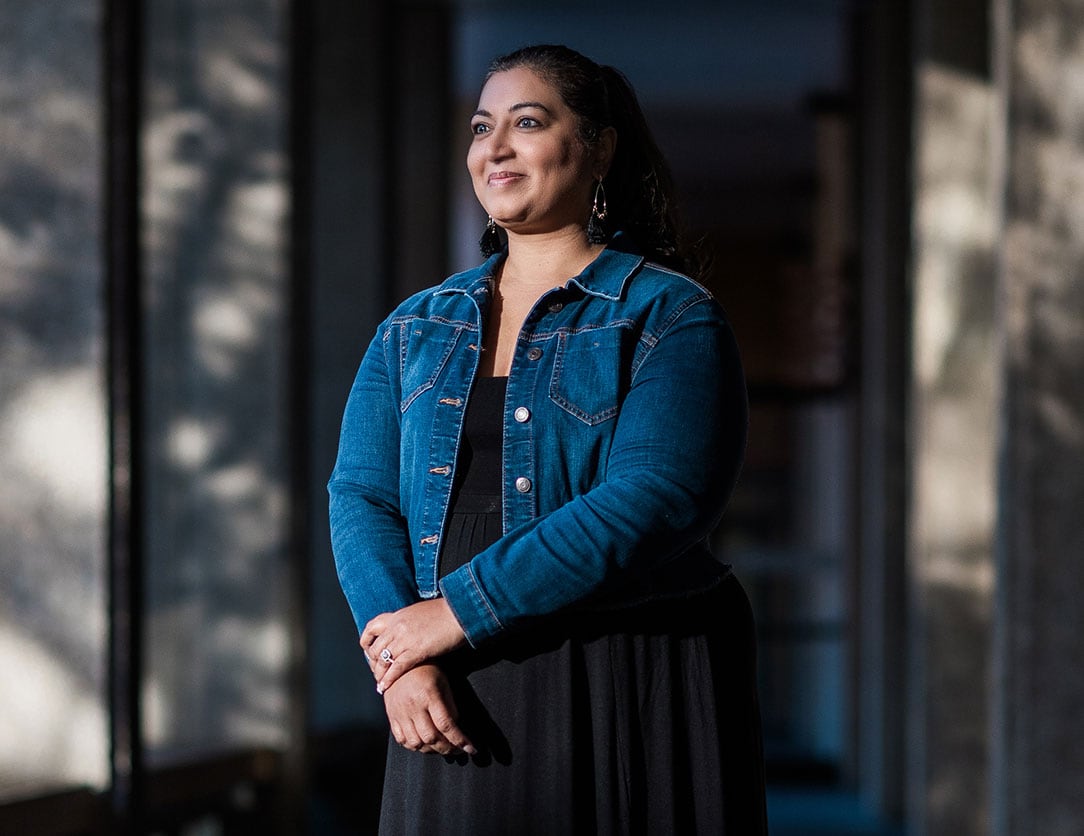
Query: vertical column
column 1040, row 621
column 884, row 73
column 215, row 219
column 53, row 404
column 953, row 427
column 124, row 284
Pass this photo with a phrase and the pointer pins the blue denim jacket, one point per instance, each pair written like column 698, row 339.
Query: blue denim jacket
column 624, row 429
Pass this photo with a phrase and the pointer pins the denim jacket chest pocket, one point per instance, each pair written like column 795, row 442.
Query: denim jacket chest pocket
column 424, row 348
column 590, row 372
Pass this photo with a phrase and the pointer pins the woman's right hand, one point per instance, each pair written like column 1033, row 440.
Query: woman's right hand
column 423, row 714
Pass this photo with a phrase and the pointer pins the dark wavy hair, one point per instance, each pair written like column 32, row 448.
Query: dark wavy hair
column 639, row 187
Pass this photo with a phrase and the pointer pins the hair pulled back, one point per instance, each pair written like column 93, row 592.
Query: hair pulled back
column 639, row 188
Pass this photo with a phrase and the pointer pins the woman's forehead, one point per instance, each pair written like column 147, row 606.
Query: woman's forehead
column 515, row 86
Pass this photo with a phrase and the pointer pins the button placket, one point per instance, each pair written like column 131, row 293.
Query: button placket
column 520, row 468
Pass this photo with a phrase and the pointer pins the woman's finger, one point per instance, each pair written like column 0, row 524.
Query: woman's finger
column 431, row 737
column 382, row 661
column 420, row 734
column 397, row 732
column 388, row 671
column 372, row 632
column 445, row 720
column 423, row 715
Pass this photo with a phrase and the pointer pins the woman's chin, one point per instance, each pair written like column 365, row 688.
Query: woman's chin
column 529, row 223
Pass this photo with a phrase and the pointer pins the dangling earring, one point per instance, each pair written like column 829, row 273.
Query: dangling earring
column 596, row 234
column 490, row 242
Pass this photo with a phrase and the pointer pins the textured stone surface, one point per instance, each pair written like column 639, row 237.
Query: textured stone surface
column 954, row 440
column 215, row 243
column 1041, row 622
column 53, row 438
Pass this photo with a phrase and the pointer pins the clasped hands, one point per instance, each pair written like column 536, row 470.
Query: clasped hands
column 395, row 642
column 399, row 647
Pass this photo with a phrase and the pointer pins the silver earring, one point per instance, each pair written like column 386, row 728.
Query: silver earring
column 596, row 233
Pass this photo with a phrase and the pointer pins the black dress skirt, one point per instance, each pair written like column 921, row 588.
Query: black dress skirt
column 637, row 721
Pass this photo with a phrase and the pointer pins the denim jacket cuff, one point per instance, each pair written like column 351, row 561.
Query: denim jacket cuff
column 470, row 606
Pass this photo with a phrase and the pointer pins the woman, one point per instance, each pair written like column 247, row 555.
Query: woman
column 532, row 457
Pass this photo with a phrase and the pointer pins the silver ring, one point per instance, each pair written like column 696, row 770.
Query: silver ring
column 385, row 656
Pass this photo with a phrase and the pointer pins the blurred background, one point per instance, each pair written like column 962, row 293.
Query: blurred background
column 205, row 209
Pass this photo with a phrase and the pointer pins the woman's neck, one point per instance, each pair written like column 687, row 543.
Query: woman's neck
column 544, row 260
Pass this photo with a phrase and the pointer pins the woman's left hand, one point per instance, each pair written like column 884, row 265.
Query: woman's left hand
column 395, row 642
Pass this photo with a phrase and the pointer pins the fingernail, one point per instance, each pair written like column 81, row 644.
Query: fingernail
column 380, row 689
column 470, row 750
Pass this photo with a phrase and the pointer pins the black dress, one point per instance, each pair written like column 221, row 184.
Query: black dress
column 642, row 720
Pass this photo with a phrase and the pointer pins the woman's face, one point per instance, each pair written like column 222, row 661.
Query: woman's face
column 530, row 169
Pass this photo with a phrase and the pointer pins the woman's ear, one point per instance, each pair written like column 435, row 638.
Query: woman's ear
column 604, row 152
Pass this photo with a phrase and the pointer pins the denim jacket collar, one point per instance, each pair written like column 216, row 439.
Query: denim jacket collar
column 605, row 277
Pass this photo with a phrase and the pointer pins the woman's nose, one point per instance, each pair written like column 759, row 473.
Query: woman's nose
column 499, row 145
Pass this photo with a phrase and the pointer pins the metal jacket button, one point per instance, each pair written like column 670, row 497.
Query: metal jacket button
column 556, row 307
column 523, row 484
column 534, row 354
column 522, row 414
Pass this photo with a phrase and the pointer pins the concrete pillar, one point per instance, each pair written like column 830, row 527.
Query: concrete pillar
column 53, row 423
column 215, row 210
column 884, row 186
column 953, row 427
column 1038, row 733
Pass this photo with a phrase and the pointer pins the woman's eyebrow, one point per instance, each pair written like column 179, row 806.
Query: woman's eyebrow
column 522, row 105
column 515, row 107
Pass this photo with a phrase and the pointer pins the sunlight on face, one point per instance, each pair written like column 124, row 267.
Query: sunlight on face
column 529, row 167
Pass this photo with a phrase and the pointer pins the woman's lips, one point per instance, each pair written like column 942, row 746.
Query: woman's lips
column 500, row 178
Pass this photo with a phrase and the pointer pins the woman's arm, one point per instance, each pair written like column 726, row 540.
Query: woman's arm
column 368, row 531
column 372, row 552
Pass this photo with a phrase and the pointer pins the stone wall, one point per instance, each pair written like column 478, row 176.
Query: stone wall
column 53, row 428
column 953, row 422
column 1040, row 621
column 997, row 420
column 215, row 241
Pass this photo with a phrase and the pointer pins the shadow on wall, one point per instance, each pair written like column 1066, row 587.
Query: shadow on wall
column 954, row 410
column 215, row 331
column 52, row 405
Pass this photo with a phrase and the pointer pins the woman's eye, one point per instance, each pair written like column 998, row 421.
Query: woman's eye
column 527, row 122
column 479, row 128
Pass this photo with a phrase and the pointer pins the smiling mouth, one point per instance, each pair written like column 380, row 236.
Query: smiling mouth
column 499, row 177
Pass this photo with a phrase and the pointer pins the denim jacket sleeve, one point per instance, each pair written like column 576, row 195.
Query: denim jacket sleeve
column 676, row 452
column 368, row 528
